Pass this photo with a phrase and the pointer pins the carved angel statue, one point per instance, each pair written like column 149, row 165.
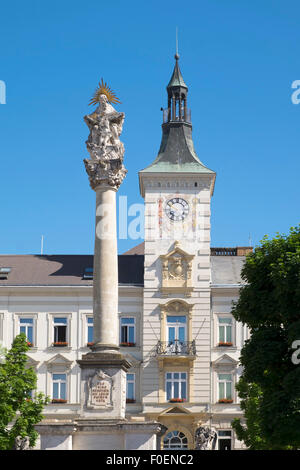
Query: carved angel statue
column 104, row 146
column 21, row 443
column 205, row 438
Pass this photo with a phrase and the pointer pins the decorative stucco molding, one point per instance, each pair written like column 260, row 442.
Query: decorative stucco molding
column 177, row 271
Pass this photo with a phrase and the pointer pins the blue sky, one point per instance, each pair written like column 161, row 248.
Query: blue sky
column 239, row 59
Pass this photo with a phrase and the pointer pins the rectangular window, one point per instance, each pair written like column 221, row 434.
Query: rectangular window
column 26, row 326
column 225, row 387
column 59, row 393
column 60, row 329
column 225, row 331
column 130, row 388
column 176, row 386
column 127, row 332
column 90, row 330
column 176, row 326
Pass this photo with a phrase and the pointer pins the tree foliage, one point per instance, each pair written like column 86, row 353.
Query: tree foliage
column 20, row 407
column 269, row 304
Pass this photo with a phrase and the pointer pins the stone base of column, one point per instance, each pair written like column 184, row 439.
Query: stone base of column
column 103, row 385
column 94, row 434
column 106, row 348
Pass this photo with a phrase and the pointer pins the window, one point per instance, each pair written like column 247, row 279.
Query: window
column 59, row 391
column 176, row 334
column 224, row 440
column 60, row 331
column 26, row 326
column 90, row 330
column 88, row 273
column 225, row 388
column 127, row 331
column 176, row 326
column 4, row 272
column 176, row 386
column 175, row 440
column 225, row 331
column 130, row 388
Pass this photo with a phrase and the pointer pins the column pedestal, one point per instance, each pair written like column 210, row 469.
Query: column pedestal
column 103, row 385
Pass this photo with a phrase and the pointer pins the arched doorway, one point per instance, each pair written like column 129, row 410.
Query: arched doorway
column 175, row 440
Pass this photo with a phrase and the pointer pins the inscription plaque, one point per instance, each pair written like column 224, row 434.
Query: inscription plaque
column 100, row 387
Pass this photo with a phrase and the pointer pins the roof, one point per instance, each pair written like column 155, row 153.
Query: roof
column 65, row 270
column 177, row 153
column 176, row 79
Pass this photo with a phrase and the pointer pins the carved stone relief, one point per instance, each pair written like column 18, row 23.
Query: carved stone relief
column 177, row 271
column 99, row 391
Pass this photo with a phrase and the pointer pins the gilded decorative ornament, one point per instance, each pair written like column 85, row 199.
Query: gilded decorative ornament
column 104, row 89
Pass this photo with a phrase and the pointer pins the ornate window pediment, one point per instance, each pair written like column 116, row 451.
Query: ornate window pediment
column 59, row 361
column 174, row 307
column 177, row 271
column 225, row 362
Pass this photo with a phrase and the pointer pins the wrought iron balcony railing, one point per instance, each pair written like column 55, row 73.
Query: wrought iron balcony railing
column 176, row 348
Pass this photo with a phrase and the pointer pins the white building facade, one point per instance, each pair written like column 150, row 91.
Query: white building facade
column 175, row 300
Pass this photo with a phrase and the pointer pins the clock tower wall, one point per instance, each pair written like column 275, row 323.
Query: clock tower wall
column 192, row 233
column 177, row 189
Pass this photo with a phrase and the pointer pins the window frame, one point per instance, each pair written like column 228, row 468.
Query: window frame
column 133, row 325
column 51, row 317
column 217, row 324
column 177, row 325
column 182, row 447
column 64, row 400
column 225, row 382
column 180, row 381
column 56, row 331
column 225, row 326
column 26, row 326
column 133, row 381
column 87, row 326
column 17, row 327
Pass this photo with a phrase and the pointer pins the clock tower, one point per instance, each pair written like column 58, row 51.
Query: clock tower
column 177, row 188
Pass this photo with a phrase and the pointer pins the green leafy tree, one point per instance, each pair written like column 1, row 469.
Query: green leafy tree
column 20, row 407
column 269, row 304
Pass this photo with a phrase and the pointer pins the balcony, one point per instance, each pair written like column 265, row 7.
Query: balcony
column 176, row 348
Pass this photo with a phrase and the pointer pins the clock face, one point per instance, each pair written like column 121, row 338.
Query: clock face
column 177, row 209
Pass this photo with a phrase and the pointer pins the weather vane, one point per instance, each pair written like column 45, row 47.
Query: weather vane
column 104, row 89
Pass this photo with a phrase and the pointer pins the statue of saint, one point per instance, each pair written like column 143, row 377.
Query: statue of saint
column 104, row 145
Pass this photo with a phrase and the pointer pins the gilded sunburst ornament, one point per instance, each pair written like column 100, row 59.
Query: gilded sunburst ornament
column 104, row 89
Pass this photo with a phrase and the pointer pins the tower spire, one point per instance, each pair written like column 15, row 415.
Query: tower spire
column 176, row 153
column 177, row 96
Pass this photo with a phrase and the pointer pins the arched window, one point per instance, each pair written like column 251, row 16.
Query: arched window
column 175, row 440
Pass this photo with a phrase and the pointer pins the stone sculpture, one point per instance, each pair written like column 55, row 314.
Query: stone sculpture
column 21, row 443
column 105, row 165
column 205, row 438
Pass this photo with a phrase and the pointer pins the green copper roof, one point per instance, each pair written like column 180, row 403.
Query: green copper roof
column 177, row 153
column 176, row 79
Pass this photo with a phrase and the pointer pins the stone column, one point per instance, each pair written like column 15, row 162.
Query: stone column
column 105, row 294
column 103, row 370
column 106, row 173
